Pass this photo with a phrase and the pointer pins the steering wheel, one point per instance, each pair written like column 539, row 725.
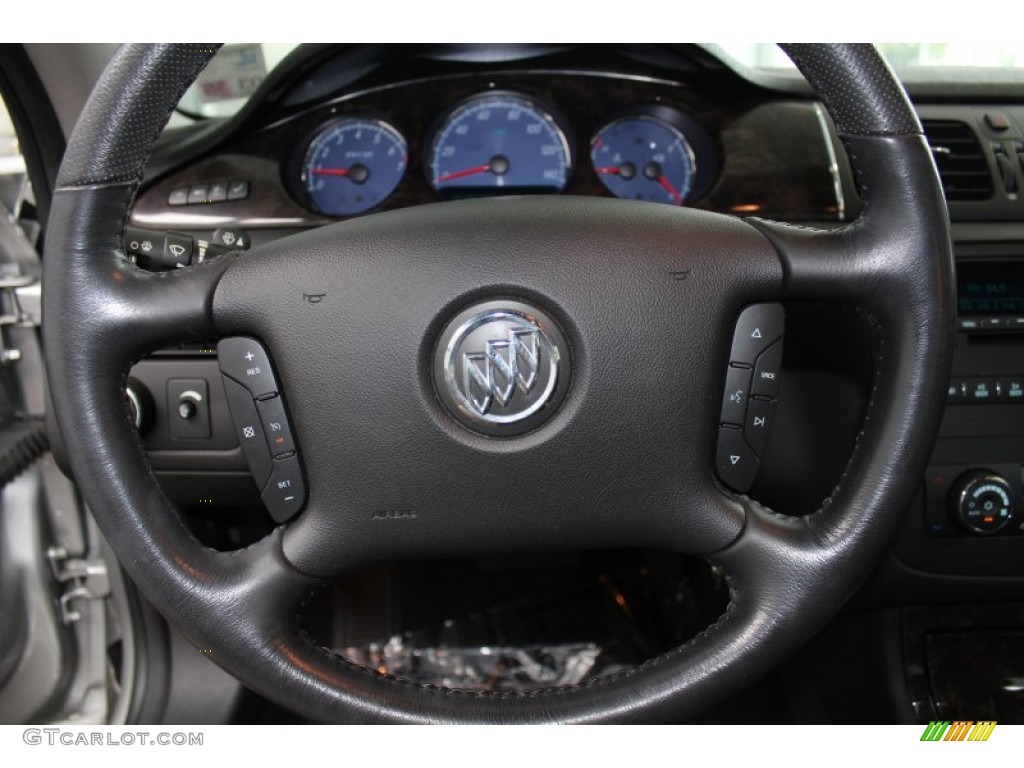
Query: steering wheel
column 624, row 455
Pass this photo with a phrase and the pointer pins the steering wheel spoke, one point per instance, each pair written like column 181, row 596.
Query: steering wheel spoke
column 460, row 388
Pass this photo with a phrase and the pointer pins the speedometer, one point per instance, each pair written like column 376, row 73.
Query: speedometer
column 499, row 144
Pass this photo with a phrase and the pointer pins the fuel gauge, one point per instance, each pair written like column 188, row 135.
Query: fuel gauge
column 644, row 158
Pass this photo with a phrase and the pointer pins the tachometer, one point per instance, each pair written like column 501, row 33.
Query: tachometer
column 499, row 144
column 644, row 158
column 353, row 165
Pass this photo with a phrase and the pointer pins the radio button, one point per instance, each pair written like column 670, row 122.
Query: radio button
column 968, row 323
column 957, row 391
column 981, row 391
column 1013, row 390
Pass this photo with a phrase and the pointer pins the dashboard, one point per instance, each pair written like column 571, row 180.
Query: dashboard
column 587, row 125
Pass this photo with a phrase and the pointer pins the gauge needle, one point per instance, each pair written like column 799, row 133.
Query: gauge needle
column 607, row 169
column 463, row 173
column 330, row 171
column 667, row 186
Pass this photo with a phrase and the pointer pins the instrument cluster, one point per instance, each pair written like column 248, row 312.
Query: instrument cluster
column 505, row 143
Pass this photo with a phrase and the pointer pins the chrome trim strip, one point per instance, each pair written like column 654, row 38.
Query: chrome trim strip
column 833, row 162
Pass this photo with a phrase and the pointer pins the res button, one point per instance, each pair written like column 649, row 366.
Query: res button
column 245, row 361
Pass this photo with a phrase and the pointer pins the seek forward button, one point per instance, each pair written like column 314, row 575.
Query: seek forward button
column 759, row 423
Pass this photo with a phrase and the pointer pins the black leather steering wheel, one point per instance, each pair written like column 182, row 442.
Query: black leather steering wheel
column 627, row 460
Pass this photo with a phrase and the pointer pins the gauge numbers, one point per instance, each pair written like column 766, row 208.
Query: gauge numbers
column 353, row 165
column 498, row 144
column 644, row 158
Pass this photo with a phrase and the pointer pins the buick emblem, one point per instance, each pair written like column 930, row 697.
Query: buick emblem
column 500, row 366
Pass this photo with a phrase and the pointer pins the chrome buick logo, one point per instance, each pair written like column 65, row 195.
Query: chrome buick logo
column 506, row 365
column 500, row 364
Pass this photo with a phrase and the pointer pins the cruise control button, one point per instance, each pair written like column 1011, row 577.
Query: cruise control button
column 285, row 492
column 760, row 415
column 766, row 371
column 249, row 432
column 275, row 426
column 737, row 463
column 245, row 361
column 758, row 327
column 734, row 400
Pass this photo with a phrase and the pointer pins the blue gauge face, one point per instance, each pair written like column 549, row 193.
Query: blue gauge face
column 643, row 158
column 498, row 144
column 352, row 166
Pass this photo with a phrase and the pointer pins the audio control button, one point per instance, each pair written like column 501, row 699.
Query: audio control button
column 737, row 462
column 737, row 392
column 757, row 328
column 766, row 372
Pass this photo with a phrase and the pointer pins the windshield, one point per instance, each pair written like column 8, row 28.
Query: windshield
column 231, row 77
column 238, row 69
column 903, row 57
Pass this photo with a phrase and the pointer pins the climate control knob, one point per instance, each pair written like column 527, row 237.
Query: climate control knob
column 981, row 502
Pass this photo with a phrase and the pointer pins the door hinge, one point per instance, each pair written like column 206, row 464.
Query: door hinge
column 83, row 579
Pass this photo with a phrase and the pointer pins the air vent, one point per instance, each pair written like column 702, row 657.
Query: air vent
column 962, row 164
